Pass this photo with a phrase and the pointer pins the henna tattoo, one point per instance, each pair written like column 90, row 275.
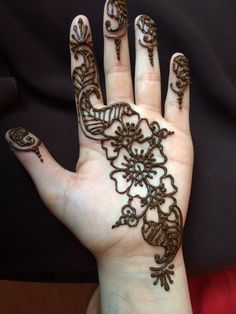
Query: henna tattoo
column 148, row 28
column 181, row 70
column 117, row 11
column 81, row 34
column 22, row 140
column 133, row 146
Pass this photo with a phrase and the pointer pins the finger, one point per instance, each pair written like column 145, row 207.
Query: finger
column 84, row 70
column 147, row 69
column 177, row 99
column 49, row 177
column 116, row 53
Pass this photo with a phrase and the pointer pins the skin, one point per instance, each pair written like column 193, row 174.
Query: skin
column 86, row 200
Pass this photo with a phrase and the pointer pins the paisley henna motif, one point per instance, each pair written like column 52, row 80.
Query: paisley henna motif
column 181, row 70
column 148, row 28
column 133, row 146
column 117, row 12
column 22, row 140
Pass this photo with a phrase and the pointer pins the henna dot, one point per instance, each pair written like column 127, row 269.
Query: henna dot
column 139, row 167
column 107, row 23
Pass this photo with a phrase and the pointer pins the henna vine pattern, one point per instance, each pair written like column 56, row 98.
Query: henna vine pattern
column 22, row 140
column 148, row 28
column 134, row 149
column 117, row 11
column 181, row 70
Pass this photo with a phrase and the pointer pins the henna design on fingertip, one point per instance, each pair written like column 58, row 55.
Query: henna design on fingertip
column 22, row 140
column 133, row 147
column 81, row 34
column 116, row 11
column 148, row 28
column 181, row 69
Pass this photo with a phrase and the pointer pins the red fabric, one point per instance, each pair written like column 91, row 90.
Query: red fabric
column 214, row 294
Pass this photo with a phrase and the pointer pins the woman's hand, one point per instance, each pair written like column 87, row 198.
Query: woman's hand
column 128, row 199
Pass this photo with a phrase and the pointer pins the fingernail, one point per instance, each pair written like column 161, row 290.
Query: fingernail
column 20, row 139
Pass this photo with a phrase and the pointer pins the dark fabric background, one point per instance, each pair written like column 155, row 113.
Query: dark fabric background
column 35, row 92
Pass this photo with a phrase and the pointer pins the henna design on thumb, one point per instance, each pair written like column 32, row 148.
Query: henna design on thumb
column 21, row 139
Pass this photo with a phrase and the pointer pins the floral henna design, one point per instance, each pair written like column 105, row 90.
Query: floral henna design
column 22, row 140
column 181, row 70
column 117, row 12
column 148, row 28
column 133, row 146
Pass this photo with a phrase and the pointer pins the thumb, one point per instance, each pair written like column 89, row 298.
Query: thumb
column 50, row 178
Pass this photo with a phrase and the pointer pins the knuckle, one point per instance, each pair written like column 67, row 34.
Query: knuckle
column 148, row 77
column 117, row 69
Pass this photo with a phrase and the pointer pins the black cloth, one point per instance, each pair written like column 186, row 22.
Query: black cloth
column 36, row 92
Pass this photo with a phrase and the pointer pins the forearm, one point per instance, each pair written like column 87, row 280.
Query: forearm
column 126, row 287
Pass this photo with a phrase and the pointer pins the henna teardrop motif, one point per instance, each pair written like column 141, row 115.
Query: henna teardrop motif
column 117, row 12
column 133, row 146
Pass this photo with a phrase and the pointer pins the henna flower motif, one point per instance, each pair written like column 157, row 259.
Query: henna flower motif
column 122, row 133
column 162, row 196
column 138, row 169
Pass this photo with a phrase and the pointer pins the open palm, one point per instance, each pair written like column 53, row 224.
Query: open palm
column 132, row 181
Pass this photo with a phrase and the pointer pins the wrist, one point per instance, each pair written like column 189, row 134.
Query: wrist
column 127, row 287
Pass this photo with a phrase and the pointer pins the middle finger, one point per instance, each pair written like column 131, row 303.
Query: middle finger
column 147, row 69
column 116, row 53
